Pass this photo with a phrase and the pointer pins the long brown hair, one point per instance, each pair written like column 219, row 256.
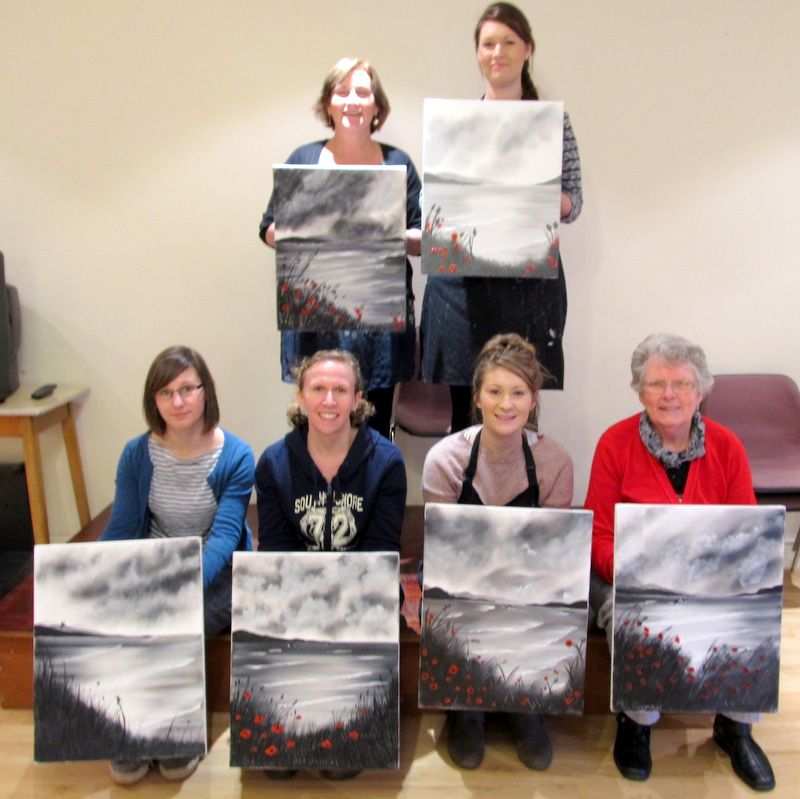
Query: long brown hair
column 510, row 16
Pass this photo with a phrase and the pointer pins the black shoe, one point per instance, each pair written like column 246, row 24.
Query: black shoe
column 339, row 774
column 465, row 738
column 747, row 757
column 632, row 749
column 279, row 773
column 530, row 737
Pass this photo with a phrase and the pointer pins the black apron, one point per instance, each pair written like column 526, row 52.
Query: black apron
column 529, row 498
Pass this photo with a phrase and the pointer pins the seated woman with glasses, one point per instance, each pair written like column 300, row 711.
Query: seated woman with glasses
column 184, row 476
column 668, row 454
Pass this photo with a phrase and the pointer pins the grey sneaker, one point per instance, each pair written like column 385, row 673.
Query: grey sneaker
column 178, row 768
column 128, row 772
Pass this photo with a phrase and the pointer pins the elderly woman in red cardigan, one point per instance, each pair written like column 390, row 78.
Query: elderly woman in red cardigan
column 668, row 454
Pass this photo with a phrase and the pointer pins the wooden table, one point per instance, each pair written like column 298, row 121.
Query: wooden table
column 23, row 417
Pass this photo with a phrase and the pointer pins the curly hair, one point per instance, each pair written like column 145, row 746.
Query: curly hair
column 363, row 410
column 674, row 350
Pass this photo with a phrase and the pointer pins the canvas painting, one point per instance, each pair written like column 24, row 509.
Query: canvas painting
column 697, row 607
column 314, row 660
column 119, row 669
column 492, row 188
column 504, row 609
column 340, row 247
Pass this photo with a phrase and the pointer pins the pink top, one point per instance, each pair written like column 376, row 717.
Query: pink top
column 497, row 480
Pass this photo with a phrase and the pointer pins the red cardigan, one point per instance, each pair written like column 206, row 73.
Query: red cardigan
column 624, row 471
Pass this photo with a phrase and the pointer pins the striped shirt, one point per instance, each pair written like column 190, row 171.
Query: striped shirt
column 181, row 501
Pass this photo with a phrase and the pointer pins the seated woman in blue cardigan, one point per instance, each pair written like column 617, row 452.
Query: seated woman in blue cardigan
column 185, row 476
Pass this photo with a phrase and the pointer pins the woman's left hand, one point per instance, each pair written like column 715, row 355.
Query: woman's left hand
column 566, row 205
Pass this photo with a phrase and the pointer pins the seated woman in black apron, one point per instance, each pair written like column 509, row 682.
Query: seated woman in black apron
column 503, row 461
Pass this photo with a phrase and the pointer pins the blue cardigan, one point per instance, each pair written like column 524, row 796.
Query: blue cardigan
column 231, row 481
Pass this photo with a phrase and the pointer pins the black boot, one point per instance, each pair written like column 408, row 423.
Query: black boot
column 530, row 738
column 465, row 737
column 747, row 757
column 632, row 749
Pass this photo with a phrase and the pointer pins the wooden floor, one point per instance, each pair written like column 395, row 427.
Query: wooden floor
column 687, row 764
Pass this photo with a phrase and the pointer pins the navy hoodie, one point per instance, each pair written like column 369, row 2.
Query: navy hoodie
column 360, row 509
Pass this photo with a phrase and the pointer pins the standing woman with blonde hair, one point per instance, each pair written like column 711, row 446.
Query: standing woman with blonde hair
column 460, row 313
column 353, row 104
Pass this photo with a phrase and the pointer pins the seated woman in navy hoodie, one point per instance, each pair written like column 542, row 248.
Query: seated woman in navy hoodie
column 332, row 483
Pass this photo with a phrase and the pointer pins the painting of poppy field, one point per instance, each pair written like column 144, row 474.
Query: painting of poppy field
column 504, row 611
column 340, row 247
column 314, row 660
column 491, row 188
column 698, row 592
column 119, row 670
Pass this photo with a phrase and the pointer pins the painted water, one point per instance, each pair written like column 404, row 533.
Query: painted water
column 367, row 283
column 158, row 683
column 744, row 621
column 312, row 682
column 510, row 220
column 530, row 641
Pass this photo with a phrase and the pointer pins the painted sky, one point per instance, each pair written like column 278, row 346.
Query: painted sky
column 519, row 556
column 703, row 550
column 146, row 587
column 330, row 596
column 340, row 203
column 501, row 141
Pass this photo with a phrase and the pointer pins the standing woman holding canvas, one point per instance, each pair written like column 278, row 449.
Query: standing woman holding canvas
column 460, row 313
column 502, row 461
column 352, row 102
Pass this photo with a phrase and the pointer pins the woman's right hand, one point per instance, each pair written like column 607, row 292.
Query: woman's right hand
column 269, row 236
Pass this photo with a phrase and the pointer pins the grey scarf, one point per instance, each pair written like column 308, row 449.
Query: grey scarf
column 671, row 460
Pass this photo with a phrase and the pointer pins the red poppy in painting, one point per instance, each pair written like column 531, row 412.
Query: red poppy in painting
column 271, row 751
column 353, row 735
column 247, row 695
column 277, row 729
column 290, row 744
column 246, row 734
column 326, row 744
column 258, row 719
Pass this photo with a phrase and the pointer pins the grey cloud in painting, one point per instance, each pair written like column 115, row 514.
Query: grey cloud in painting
column 317, row 596
column 152, row 586
column 699, row 550
column 535, row 555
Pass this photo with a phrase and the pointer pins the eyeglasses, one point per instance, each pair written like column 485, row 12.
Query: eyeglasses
column 677, row 386
column 184, row 392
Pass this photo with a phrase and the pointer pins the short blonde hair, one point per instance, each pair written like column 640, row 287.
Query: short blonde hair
column 338, row 72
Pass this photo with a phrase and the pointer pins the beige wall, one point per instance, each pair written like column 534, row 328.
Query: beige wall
column 136, row 148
